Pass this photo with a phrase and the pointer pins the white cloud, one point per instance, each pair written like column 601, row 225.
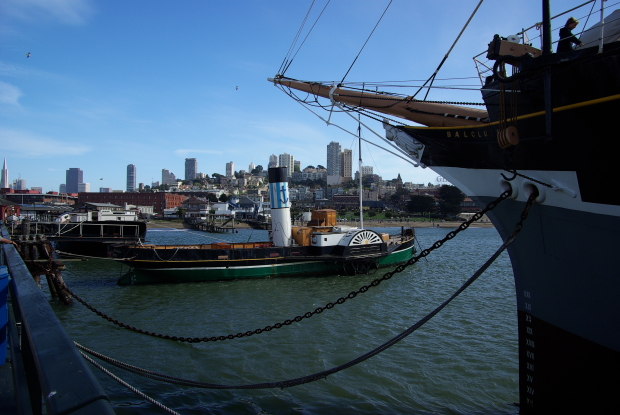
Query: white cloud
column 65, row 11
column 9, row 94
column 26, row 144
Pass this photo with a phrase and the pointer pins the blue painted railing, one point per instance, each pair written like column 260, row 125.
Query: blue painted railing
column 48, row 373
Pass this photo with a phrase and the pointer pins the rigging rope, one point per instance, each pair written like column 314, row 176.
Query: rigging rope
column 359, row 53
column 127, row 385
column 303, row 23
column 432, row 78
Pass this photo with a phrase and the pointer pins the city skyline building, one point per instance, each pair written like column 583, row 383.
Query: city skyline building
column 366, row 170
column 19, row 184
column 191, row 168
column 131, row 177
column 251, row 167
column 4, row 176
column 288, row 161
column 167, row 177
column 346, row 164
column 230, row 169
column 273, row 161
column 83, row 187
column 62, row 188
column 74, row 177
column 333, row 159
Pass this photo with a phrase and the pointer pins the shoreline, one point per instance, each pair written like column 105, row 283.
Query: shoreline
column 368, row 223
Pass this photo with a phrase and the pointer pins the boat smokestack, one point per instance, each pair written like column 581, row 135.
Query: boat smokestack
column 280, row 207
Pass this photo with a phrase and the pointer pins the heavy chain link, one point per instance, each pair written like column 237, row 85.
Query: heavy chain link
column 308, row 314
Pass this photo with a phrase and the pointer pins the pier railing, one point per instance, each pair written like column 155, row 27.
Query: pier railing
column 48, row 373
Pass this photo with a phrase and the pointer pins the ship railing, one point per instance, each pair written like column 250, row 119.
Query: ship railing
column 48, row 374
column 484, row 66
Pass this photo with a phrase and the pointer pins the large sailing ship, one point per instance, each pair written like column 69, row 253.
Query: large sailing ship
column 546, row 133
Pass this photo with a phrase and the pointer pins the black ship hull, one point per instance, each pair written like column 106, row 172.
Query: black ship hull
column 566, row 276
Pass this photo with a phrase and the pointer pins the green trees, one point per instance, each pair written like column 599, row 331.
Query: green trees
column 450, row 198
column 421, row 204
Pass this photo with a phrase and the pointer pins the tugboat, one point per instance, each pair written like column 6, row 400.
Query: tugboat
column 320, row 248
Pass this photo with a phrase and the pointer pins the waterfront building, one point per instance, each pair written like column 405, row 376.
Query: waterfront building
column 159, row 200
column 4, row 176
column 191, row 168
column 346, row 164
column 131, row 177
column 333, row 159
column 230, row 169
column 167, row 177
column 74, row 177
column 288, row 161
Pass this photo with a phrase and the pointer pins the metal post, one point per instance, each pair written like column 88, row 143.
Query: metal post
column 600, row 44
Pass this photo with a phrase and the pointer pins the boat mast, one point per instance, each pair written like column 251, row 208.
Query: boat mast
column 359, row 134
column 547, row 50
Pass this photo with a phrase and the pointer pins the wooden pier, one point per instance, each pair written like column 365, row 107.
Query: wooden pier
column 211, row 224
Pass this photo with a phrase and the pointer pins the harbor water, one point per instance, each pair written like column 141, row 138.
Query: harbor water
column 463, row 361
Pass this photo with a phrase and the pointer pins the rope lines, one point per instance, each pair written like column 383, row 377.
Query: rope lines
column 125, row 384
column 286, row 63
column 432, row 78
column 367, row 39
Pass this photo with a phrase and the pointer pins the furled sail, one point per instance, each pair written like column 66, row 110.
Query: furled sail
column 421, row 112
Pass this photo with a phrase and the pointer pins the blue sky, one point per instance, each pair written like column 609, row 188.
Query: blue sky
column 151, row 82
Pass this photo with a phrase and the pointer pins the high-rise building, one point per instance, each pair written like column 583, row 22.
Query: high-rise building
column 288, row 161
column 346, row 164
column 273, row 161
column 19, row 184
column 62, row 188
column 333, row 159
column 191, row 168
column 366, row 170
column 4, row 176
column 74, row 178
column 230, row 169
column 167, row 177
column 131, row 177
column 83, row 187
column 251, row 167
column 297, row 166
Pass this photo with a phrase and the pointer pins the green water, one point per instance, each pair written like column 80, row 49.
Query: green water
column 464, row 361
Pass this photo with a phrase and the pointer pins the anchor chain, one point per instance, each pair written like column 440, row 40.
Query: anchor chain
column 308, row 314
column 323, row 375
column 515, row 173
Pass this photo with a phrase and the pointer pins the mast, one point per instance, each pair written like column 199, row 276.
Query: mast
column 421, row 112
column 359, row 133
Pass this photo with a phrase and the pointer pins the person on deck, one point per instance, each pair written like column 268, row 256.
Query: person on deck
column 567, row 37
column 7, row 241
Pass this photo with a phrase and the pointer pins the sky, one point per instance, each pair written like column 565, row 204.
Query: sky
column 151, row 82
